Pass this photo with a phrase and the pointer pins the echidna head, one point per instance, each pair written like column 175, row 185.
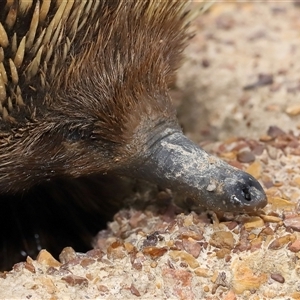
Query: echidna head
column 88, row 93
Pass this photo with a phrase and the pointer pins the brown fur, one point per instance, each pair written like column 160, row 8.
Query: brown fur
column 106, row 95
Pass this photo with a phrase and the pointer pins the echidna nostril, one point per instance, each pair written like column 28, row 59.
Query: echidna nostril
column 246, row 193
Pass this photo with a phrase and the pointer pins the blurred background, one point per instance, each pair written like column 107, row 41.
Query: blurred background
column 242, row 71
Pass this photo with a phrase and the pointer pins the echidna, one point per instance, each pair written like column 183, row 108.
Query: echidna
column 83, row 93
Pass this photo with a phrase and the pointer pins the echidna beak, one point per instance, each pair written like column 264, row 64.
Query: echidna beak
column 176, row 162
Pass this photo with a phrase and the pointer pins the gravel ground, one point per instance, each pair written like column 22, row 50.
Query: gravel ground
column 242, row 72
column 240, row 87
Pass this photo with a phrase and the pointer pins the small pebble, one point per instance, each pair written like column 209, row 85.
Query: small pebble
column 45, row 258
column 293, row 223
column 293, row 110
column 274, row 131
column 134, row 291
column 272, row 152
column 278, row 277
column 295, row 246
column 245, row 156
column 74, row 280
column 280, row 242
column 67, row 254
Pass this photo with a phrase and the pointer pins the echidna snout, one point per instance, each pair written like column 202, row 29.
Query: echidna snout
column 175, row 162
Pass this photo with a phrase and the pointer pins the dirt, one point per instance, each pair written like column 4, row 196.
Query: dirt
column 238, row 94
column 241, row 73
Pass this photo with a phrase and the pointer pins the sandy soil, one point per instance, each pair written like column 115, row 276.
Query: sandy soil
column 240, row 77
column 241, row 74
